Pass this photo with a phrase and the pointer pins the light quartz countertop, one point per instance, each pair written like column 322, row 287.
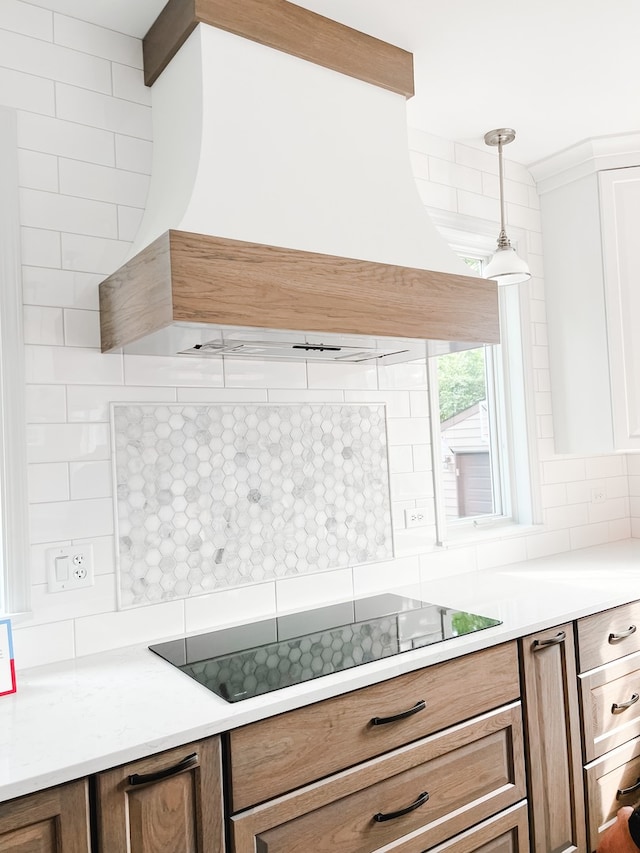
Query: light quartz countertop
column 78, row 717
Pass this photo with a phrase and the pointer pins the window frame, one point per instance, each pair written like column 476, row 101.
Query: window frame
column 15, row 580
column 513, row 383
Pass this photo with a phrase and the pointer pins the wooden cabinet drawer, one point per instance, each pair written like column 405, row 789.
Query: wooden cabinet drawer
column 608, row 778
column 279, row 754
column 607, row 636
column 48, row 821
column 507, row 832
column 610, row 705
column 462, row 776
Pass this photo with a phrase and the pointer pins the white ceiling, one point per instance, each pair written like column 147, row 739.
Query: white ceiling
column 558, row 71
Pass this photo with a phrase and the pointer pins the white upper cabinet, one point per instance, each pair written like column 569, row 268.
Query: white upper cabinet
column 590, row 223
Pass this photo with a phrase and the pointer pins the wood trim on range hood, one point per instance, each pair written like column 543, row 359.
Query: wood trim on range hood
column 286, row 27
column 195, row 278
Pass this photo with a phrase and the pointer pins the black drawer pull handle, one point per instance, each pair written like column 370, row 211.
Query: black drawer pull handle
column 613, row 638
column 622, row 792
column 144, row 778
column 560, row 637
column 381, row 721
column 422, row 799
column 622, row 706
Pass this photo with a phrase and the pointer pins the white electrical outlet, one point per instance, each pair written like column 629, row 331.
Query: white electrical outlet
column 415, row 517
column 598, row 495
column 69, row 568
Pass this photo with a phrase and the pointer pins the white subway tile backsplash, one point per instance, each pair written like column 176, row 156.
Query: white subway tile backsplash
column 563, row 471
column 619, row 528
column 43, row 325
column 606, row 466
column 428, row 143
column 413, row 486
column 247, row 373
column 345, row 376
column 53, row 62
column 230, row 606
column 66, row 213
column 609, row 510
column 40, row 248
column 102, row 183
column 20, row 17
column 411, row 376
column 42, row 644
column 71, row 365
column 90, row 480
column 501, row 553
column 417, row 540
column 311, row 590
column 67, row 442
column 554, row 495
column 298, row 395
column 519, row 216
column 479, row 206
column 633, row 464
column 37, row 171
column 129, row 219
column 73, row 603
column 126, row 627
column 133, row 155
column 128, row 83
column 397, row 402
column 480, row 160
column 400, row 459
column 173, row 371
column 422, row 460
column 408, row 431
column 589, row 535
column 437, row 196
column 563, row 517
column 455, row 175
column 92, row 254
column 91, row 402
column 56, row 287
column 48, row 482
column 45, row 404
column 81, row 328
column 448, row 562
column 378, row 577
column 26, row 92
column 419, row 404
column 545, row 544
column 98, row 41
column 65, row 519
column 103, row 111
column 65, row 138
column 419, row 165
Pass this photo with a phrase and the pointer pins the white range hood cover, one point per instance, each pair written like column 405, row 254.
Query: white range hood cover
column 253, row 144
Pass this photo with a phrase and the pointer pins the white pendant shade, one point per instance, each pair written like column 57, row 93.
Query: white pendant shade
column 505, row 267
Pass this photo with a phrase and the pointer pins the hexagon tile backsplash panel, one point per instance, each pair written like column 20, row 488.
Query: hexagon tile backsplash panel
column 216, row 496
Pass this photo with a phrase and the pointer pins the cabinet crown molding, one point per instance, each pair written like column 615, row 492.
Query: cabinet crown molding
column 585, row 158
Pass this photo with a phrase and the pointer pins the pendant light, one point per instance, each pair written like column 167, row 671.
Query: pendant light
column 505, row 267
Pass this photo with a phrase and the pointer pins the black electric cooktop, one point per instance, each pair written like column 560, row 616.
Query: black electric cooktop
column 248, row 660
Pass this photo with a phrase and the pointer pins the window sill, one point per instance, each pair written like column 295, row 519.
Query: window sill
column 469, row 534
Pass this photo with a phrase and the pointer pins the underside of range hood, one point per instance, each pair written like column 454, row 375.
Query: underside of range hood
column 202, row 295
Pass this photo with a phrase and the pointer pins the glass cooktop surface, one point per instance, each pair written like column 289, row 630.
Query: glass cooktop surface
column 248, row 660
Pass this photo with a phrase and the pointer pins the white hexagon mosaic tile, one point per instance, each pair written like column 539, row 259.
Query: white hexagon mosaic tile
column 216, row 496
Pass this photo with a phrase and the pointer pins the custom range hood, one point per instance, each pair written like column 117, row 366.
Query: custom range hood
column 283, row 219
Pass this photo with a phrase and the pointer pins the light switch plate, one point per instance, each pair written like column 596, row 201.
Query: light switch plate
column 70, row 567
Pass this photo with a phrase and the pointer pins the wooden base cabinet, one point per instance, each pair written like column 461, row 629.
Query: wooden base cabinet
column 552, row 723
column 411, row 798
column 47, row 822
column 163, row 804
column 507, row 832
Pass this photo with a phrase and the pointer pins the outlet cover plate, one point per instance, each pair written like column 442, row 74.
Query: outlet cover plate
column 69, row 567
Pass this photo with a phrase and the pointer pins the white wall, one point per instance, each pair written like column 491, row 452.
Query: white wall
column 85, row 151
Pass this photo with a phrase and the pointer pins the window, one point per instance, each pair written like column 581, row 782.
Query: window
column 479, row 399
column 14, row 550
